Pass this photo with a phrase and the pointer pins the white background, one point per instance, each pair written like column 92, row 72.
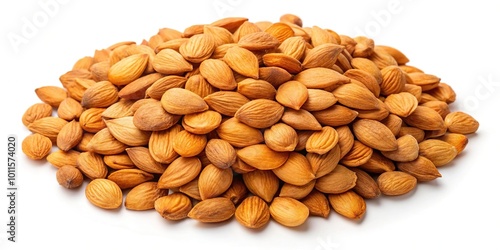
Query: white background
column 455, row 40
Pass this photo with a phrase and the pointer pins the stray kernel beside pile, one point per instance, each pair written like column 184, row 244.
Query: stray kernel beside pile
column 247, row 120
